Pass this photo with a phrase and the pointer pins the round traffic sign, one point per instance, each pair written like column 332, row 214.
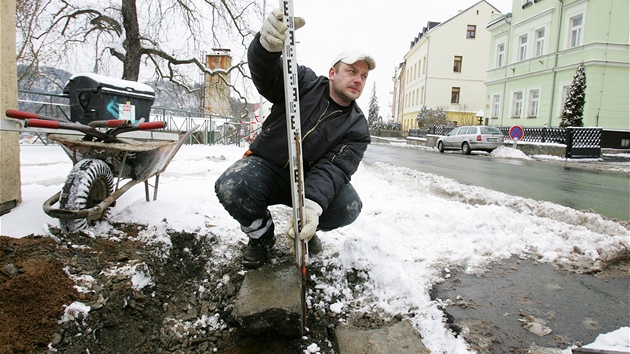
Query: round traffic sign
column 516, row 133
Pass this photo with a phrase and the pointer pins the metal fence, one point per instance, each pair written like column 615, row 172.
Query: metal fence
column 212, row 129
column 584, row 142
column 532, row 134
column 580, row 142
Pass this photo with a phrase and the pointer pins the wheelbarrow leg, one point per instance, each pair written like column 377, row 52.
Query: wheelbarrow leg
column 146, row 190
column 155, row 188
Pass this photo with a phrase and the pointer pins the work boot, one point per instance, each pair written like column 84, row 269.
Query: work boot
column 256, row 253
column 315, row 245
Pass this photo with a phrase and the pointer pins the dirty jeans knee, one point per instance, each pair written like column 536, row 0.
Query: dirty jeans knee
column 247, row 187
column 238, row 193
column 343, row 210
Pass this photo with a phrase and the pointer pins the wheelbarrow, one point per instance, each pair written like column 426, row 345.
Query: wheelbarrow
column 102, row 160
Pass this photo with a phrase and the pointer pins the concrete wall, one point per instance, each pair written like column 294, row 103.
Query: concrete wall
column 10, row 187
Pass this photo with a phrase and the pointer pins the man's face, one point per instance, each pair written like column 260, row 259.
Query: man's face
column 347, row 81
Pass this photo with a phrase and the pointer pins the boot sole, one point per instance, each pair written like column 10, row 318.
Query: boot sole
column 252, row 264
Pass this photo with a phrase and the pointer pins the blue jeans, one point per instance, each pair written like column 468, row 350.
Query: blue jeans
column 251, row 184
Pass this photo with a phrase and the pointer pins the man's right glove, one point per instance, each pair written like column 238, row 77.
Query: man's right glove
column 274, row 31
column 312, row 211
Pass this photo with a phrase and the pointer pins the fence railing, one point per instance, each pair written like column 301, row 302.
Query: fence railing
column 580, row 142
column 212, row 128
column 532, row 134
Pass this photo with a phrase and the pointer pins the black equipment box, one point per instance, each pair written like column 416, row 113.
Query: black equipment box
column 96, row 97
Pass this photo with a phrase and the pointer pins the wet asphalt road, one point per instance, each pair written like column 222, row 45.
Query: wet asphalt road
column 519, row 303
column 582, row 189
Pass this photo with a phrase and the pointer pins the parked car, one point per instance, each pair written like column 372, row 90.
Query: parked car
column 469, row 138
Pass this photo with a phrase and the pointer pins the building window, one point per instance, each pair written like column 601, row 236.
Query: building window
column 457, row 64
column 424, row 64
column 471, row 31
column 534, row 99
column 540, row 41
column 517, row 105
column 576, row 31
column 496, row 104
column 500, row 54
column 564, row 93
column 455, row 95
column 522, row 47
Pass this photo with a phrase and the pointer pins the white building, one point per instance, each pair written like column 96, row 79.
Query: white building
column 446, row 67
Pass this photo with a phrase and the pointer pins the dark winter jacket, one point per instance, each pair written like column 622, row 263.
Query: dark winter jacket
column 332, row 145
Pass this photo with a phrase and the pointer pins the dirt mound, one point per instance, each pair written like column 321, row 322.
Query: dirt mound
column 120, row 293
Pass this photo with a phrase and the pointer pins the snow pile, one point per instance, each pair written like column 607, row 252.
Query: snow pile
column 618, row 340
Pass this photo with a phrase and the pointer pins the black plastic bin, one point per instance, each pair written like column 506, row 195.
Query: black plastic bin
column 96, row 97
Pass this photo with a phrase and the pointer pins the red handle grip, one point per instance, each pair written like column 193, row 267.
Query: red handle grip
column 12, row 113
column 152, row 125
column 40, row 123
column 113, row 123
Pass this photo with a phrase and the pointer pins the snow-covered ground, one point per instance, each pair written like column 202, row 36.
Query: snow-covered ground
column 414, row 226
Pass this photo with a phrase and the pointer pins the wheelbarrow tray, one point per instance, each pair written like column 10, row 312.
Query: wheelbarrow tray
column 137, row 160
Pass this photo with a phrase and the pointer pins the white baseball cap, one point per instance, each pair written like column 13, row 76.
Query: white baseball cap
column 351, row 57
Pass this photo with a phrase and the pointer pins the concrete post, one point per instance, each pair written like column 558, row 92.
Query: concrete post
column 10, row 187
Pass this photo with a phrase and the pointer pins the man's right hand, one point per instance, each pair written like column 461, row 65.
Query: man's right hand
column 274, row 31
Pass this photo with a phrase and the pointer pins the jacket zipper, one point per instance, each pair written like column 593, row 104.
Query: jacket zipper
column 321, row 118
column 343, row 147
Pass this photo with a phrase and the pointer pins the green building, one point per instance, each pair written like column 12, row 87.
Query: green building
column 536, row 50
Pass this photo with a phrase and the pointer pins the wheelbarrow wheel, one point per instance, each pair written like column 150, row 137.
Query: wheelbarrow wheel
column 88, row 184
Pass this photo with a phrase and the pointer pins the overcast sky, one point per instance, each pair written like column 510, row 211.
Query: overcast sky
column 383, row 29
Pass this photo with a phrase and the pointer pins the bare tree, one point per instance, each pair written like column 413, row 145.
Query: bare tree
column 169, row 37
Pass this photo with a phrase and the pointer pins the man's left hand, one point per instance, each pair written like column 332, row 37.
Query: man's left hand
column 273, row 31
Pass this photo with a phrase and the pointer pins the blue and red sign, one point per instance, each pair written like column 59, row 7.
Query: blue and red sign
column 517, row 133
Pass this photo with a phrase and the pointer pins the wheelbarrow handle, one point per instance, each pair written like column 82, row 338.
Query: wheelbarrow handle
column 152, row 125
column 41, row 123
column 141, row 126
column 12, row 113
column 85, row 129
column 112, row 123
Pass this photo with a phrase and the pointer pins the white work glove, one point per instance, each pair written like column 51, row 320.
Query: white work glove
column 312, row 211
column 274, row 31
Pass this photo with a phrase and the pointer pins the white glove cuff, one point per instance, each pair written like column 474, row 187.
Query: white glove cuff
column 313, row 206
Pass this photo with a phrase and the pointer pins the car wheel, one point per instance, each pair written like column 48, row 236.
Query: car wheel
column 440, row 146
column 466, row 148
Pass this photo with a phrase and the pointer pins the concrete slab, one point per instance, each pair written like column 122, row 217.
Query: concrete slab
column 269, row 300
column 400, row 338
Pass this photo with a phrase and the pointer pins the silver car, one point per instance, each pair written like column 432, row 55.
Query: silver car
column 469, row 138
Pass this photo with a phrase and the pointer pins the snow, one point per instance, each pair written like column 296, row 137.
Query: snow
column 413, row 229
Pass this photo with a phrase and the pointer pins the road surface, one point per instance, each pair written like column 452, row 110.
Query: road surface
column 604, row 192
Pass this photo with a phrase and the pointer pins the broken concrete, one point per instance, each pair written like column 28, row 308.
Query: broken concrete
column 270, row 300
column 400, row 338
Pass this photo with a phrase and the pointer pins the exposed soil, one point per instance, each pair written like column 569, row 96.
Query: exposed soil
column 186, row 309
column 185, row 302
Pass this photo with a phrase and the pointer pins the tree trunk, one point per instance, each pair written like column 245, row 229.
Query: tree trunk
column 131, row 64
